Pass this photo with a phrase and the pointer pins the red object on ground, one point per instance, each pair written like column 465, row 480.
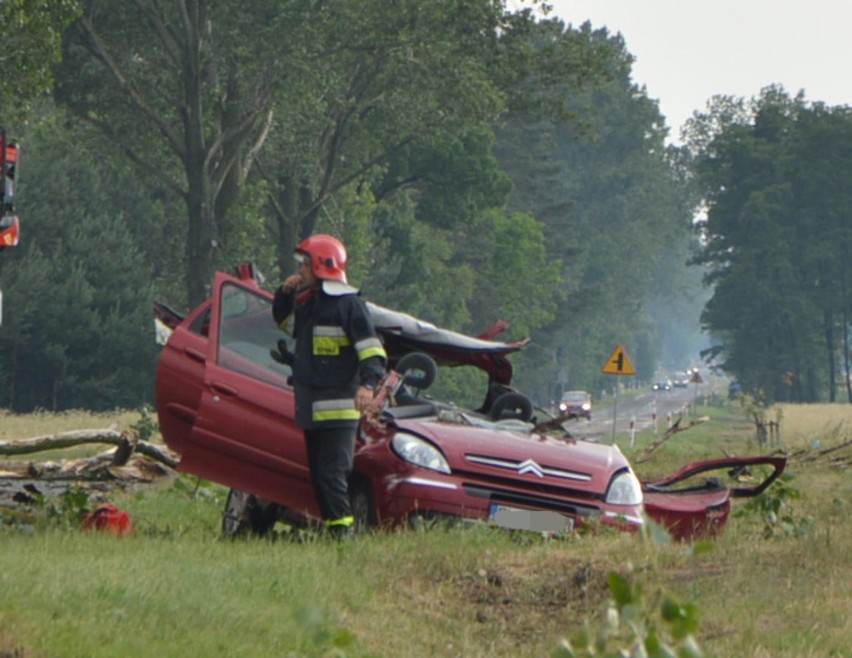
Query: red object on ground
column 108, row 518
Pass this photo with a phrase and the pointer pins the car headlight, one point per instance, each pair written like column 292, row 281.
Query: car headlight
column 419, row 452
column 624, row 490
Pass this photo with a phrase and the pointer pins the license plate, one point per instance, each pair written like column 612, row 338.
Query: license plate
column 515, row 518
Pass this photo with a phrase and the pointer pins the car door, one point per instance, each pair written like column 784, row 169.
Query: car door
column 245, row 425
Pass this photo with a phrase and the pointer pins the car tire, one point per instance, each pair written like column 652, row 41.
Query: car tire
column 361, row 503
column 418, row 370
column 512, row 405
column 246, row 514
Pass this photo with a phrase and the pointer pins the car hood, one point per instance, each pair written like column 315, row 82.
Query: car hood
column 487, row 449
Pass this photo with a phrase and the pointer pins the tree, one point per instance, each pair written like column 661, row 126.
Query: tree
column 31, row 33
column 778, row 238
column 77, row 326
column 613, row 207
column 394, row 93
column 185, row 90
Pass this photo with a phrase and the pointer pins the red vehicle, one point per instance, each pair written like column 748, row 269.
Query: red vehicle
column 225, row 405
column 9, row 225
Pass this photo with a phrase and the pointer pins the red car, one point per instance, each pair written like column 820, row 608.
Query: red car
column 225, row 405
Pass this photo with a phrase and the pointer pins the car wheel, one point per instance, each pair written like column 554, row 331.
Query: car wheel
column 361, row 503
column 418, row 370
column 512, row 405
column 247, row 514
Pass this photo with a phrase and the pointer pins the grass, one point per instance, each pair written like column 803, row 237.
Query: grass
column 174, row 588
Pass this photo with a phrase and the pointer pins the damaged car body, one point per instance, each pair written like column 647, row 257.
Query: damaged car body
column 226, row 407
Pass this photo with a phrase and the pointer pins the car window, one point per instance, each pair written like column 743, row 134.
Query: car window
column 247, row 333
column 201, row 324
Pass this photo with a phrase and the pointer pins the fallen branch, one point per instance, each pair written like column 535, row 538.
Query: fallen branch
column 669, row 433
column 803, row 456
column 126, row 443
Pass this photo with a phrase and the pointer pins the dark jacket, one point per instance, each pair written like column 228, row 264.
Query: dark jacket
column 337, row 349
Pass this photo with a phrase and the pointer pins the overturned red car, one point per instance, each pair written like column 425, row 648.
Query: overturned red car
column 225, row 405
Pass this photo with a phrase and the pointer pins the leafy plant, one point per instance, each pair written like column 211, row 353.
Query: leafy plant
column 147, row 425
column 774, row 508
column 633, row 628
column 36, row 509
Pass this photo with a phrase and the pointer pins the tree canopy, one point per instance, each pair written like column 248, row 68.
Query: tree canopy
column 478, row 163
column 777, row 239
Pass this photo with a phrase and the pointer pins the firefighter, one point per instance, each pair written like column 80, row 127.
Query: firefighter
column 338, row 361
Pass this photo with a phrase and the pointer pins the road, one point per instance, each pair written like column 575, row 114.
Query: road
column 643, row 410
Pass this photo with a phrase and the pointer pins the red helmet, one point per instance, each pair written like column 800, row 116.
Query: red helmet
column 328, row 256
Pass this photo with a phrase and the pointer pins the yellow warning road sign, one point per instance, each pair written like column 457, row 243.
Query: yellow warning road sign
column 619, row 363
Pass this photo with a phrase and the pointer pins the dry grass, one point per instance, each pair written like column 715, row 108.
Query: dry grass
column 41, row 423
column 803, row 423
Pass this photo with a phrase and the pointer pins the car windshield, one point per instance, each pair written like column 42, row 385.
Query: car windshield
column 575, row 396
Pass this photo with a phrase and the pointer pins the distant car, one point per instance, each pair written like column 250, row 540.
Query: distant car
column 664, row 385
column 680, row 379
column 576, row 404
column 226, row 406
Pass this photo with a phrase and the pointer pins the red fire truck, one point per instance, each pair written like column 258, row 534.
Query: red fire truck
column 9, row 228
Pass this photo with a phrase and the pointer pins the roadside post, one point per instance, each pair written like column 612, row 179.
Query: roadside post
column 654, row 418
column 617, row 364
column 695, row 380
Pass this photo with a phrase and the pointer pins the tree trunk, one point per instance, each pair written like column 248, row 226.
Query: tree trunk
column 828, row 320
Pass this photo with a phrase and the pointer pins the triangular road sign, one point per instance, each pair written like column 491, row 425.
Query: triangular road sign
column 619, row 363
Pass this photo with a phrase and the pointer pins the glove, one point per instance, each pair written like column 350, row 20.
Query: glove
column 281, row 355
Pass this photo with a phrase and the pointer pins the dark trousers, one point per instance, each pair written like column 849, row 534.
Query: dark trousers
column 330, row 456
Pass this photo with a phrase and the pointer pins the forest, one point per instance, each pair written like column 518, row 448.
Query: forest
column 479, row 162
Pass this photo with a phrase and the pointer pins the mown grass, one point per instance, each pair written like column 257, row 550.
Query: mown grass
column 174, row 588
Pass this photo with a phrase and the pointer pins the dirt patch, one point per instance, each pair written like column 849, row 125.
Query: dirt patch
column 515, row 604
column 526, row 599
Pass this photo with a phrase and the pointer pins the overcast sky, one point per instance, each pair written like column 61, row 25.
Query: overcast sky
column 689, row 50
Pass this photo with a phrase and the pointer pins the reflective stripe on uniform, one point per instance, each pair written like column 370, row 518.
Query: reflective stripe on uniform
column 342, row 409
column 328, row 340
column 344, row 521
column 370, row 347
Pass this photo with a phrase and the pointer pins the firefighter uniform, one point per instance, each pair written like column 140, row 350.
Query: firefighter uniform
column 336, row 351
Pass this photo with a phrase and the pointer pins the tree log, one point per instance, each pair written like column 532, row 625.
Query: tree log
column 122, row 440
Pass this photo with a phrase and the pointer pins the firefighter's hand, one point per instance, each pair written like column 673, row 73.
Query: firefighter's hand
column 292, row 283
column 363, row 398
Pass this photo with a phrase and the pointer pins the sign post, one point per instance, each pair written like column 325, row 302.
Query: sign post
column 617, row 364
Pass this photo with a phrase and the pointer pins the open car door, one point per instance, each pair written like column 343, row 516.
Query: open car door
column 245, row 435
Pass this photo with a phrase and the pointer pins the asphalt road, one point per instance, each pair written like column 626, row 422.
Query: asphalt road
column 646, row 410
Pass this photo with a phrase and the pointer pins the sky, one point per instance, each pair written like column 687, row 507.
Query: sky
column 687, row 51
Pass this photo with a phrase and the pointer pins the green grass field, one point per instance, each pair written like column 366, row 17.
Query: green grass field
column 772, row 586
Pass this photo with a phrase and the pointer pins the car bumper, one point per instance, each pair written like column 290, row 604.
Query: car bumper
column 410, row 499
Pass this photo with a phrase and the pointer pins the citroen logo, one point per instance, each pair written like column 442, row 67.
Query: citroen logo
column 529, row 466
